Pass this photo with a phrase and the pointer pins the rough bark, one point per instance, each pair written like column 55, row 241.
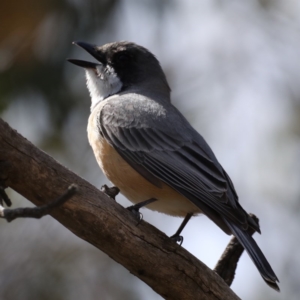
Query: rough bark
column 145, row 251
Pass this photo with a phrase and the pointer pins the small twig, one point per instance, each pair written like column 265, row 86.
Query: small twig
column 112, row 192
column 39, row 211
column 3, row 196
column 227, row 264
column 4, row 167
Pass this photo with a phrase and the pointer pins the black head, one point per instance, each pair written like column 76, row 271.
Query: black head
column 133, row 64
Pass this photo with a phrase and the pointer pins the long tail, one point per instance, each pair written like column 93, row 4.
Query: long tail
column 255, row 254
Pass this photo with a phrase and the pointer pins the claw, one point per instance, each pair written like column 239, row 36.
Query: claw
column 137, row 214
column 135, row 209
column 177, row 239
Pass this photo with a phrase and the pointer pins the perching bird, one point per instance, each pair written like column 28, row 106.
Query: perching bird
column 147, row 148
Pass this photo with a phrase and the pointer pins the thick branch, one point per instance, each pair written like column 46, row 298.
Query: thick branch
column 144, row 250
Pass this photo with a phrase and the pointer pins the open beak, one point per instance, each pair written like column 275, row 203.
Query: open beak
column 83, row 63
column 91, row 49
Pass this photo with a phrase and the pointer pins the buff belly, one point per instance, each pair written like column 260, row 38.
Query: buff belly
column 131, row 184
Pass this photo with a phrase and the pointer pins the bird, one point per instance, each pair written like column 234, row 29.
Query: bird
column 149, row 150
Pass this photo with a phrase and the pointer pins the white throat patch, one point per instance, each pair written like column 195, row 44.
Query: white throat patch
column 102, row 83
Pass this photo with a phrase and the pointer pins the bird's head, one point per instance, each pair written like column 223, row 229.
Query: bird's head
column 121, row 67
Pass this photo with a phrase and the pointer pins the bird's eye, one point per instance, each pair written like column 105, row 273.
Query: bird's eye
column 123, row 57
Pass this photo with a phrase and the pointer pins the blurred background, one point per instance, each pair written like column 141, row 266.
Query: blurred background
column 234, row 70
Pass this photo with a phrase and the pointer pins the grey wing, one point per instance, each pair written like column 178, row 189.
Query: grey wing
column 160, row 143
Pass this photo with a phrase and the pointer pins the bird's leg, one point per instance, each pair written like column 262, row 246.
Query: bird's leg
column 112, row 192
column 135, row 209
column 177, row 237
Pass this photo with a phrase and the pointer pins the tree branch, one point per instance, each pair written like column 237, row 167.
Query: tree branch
column 90, row 214
column 227, row 264
column 38, row 211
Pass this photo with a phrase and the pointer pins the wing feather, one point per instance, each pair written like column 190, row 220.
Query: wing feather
column 181, row 159
column 165, row 148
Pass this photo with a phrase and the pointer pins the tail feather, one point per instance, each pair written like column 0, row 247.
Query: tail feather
column 255, row 254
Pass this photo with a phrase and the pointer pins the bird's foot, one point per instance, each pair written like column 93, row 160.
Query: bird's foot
column 177, row 238
column 135, row 209
column 112, row 192
column 136, row 213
